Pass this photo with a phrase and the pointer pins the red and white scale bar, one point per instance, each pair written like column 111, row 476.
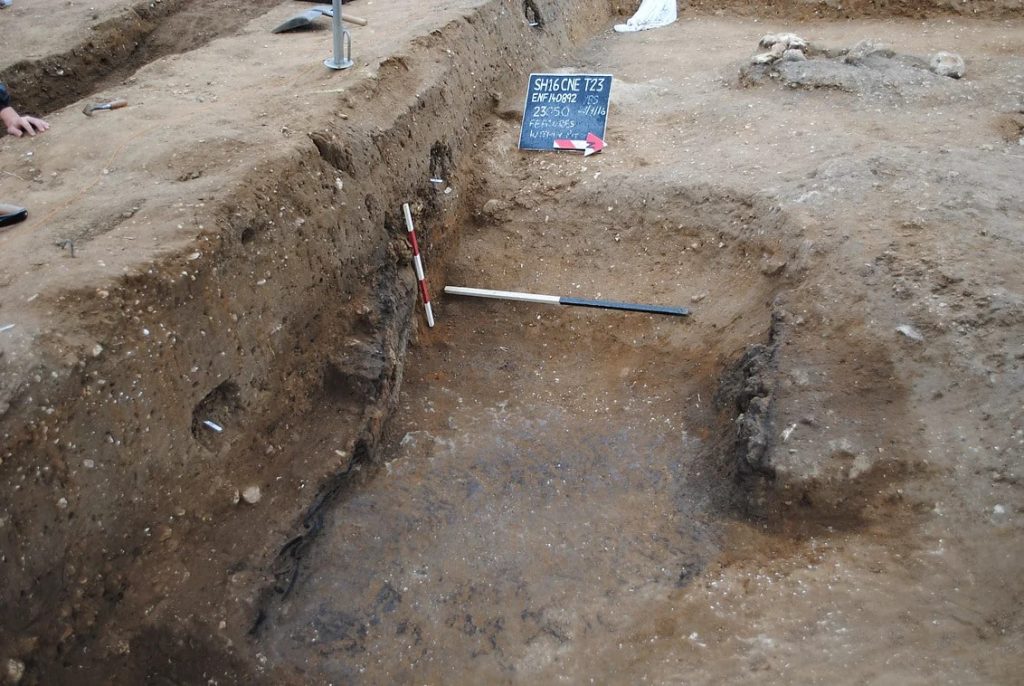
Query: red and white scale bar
column 417, row 263
column 568, row 144
column 592, row 144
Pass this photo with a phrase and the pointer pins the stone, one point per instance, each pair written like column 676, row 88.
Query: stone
column 910, row 332
column 793, row 55
column 800, row 377
column 863, row 49
column 15, row 670
column 793, row 41
column 948, row 64
column 495, row 207
column 787, row 432
column 842, row 448
column 787, row 40
column 252, row 495
column 773, row 267
column 777, row 49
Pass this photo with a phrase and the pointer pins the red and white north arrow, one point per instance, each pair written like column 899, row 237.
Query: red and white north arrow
column 589, row 147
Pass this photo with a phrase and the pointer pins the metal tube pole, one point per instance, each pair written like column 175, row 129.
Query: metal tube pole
column 336, row 28
column 340, row 60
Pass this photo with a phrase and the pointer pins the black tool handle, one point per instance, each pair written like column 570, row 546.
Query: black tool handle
column 632, row 307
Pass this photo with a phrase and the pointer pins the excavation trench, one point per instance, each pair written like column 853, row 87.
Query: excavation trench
column 116, row 46
column 279, row 310
column 551, row 475
column 545, row 477
column 523, row 492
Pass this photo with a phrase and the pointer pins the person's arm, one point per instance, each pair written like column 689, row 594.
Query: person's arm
column 16, row 124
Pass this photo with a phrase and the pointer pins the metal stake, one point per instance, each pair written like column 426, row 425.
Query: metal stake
column 342, row 58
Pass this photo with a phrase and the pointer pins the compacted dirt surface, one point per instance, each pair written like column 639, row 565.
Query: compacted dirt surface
column 813, row 478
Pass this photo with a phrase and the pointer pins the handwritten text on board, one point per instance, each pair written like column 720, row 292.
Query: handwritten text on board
column 564, row 106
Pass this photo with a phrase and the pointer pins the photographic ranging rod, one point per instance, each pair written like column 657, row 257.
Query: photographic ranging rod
column 565, row 300
column 417, row 264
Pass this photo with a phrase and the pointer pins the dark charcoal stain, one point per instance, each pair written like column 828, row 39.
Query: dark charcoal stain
column 388, row 600
column 159, row 655
column 441, row 161
column 688, row 572
column 748, row 391
column 342, row 628
column 221, row 406
column 289, row 559
column 532, row 14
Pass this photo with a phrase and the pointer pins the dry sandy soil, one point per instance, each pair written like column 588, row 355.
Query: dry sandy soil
column 781, row 488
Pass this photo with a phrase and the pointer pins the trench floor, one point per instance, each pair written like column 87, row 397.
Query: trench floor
column 510, row 529
column 546, row 483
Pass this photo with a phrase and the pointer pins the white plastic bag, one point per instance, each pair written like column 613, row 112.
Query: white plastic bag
column 651, row 15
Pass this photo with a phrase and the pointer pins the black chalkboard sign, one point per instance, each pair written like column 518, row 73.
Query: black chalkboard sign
column 565, row 108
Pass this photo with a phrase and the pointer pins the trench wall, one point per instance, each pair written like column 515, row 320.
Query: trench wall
column 296, row 303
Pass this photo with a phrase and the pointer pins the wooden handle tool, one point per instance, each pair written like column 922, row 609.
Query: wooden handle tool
column 358, row 21
column 112, row 105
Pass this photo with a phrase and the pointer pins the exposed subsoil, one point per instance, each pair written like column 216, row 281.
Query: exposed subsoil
column 781, row 488
column 117, row 41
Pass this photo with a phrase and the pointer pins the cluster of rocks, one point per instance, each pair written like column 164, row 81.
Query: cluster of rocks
column 782, row 47
column 789, row 47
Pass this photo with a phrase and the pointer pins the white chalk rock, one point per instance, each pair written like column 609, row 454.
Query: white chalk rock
column 763, row 58
column 910, row 332
column 862, row 50
column 793, row 41
column 948, row 64
column 788, row 40
column 15, row 671
column 252, row 495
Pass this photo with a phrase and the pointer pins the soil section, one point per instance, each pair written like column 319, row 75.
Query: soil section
column 238, row 258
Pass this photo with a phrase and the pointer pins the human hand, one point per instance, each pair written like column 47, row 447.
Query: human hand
column 18, row 125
